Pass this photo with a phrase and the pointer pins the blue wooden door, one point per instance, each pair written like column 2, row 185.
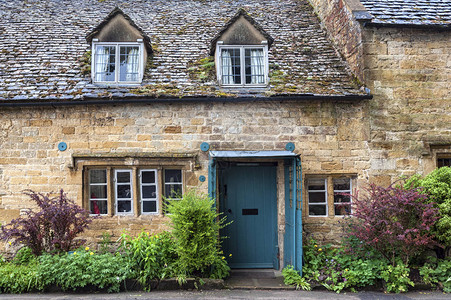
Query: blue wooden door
column 248, row 197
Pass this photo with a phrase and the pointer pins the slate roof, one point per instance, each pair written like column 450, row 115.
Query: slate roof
column 42, row 45
column 410, row 12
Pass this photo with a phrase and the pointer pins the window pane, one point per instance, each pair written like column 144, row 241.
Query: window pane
column 444, row 162
column 97, row 176
column 254, row 66
column 342, row 184
column 149, row 206
column 98, row 207
column 317, row 210
column 98, row 192
column 149, row 191
column 123, row 176
column 317, row 184
column 124, row 206
column 105, row 63
column 129, row 63
column 342, row 209
column 124, row 191
column 338, row 198
column 173, row 190
column 148, row 177
column 172, row 176
column 231, row 66
column 318, row 197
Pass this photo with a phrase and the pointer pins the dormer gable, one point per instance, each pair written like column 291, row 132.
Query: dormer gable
column 119, row 50
column 241, row 29
column 241, row 53
column 119, row 27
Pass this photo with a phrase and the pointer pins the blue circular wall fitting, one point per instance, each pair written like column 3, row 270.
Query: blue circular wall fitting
column 289, row 146
column 62, row 146
column 204, row 146
column 202, row 178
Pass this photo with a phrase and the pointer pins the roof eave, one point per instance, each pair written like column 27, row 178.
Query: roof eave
column 441, row 27
column 148, row 100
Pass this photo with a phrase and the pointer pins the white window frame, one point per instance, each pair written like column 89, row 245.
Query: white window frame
column 218, row 62
column 97, row 184
column 142, row 199
column 116, row 81
column 326, row 203
column 172, row 183
column 116, row 184
column 343, row 191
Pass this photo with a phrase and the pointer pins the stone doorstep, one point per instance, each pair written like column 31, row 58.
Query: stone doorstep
column 251, row 279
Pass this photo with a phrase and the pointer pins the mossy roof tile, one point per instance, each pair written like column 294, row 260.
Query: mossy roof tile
column 43, row 48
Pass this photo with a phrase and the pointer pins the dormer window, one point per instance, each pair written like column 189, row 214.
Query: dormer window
column 243, row 65
column 119, row 50
column 241, row 53
column 117, row 62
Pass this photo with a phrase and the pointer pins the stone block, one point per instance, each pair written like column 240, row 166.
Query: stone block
column 380, row 180
column 173, row 129
column 68, row 130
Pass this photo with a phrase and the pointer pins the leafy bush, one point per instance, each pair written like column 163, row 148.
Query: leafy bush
column 105, row 243
column 53, row 228
column 83, row 268
column 19, row 278
column 24, row 256
column 437, row 185
column 338, row 269
column 292, row 277
column 397, row 277
column 438, row 272
column 150, row 256
column 315, row 259
column 394, row 221
column 363, row 272
column 196, row 233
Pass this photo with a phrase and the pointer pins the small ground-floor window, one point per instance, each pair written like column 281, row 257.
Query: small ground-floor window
column 328, row 195
column 444, row 162
column 134, row 191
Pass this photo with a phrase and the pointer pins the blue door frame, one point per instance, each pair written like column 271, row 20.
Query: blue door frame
column 293, row 205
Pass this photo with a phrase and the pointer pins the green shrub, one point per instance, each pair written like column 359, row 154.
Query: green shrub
column 437, row 185
column 83, row 268
column 438, row 271
column 150, row 256
column 315, row 257
column 340, row 268
column 196, row 232
column 19, row 278
column 24, row 256
column 363, row 272
column 397, row 277
column 105, row 245
column 292, row 277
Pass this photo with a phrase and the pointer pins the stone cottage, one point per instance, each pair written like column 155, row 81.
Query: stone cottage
column 273, row 107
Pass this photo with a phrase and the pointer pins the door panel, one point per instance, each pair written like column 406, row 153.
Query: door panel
column 248, row 198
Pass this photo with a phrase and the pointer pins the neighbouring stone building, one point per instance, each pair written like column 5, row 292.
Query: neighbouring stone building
column 273, row 107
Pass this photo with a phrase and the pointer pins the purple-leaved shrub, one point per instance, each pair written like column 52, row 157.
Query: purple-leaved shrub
column 395, row 221
column 52, row 228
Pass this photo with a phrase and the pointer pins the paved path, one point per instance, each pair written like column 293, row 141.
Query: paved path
column 236, row 294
